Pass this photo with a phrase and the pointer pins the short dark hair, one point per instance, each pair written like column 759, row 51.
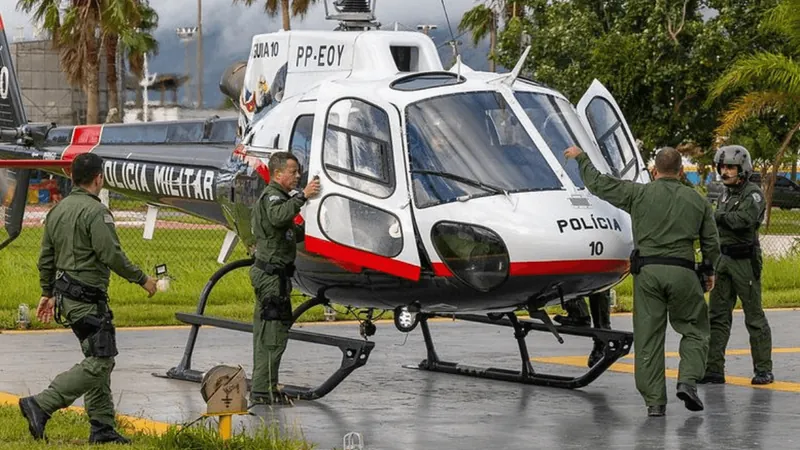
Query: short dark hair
column 668, row 161
column 278, row 161
column 85, row 167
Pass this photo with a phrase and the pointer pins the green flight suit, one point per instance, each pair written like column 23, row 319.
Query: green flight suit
column 739, row 213
column 667, row 218
column 80, row 239
column 276, row 244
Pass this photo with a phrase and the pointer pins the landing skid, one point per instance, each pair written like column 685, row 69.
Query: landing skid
column 355, row 353
column 617, row 345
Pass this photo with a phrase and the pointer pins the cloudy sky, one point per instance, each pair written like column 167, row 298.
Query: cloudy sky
column 236, row 21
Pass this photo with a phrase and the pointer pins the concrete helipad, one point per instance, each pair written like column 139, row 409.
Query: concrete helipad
column 398, row 408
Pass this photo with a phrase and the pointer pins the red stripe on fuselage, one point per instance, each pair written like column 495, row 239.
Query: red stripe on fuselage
column 579, row 266
column 350, row 258
column 84, row 139
column 2, row 27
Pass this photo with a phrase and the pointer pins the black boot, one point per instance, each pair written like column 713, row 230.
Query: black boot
column 270, row 398
column 104, row 434
column 689, row 396
column 597, row 353
column 571, row 321
column 656, row 410
column 36, row 417
column 763, row 378
column 713, row 378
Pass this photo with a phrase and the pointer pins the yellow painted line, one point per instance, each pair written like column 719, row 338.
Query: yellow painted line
column 130, row 423
column 580, row 361
column 732, row 352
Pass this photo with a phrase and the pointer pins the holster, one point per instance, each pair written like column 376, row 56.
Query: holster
column 99, row 330
column 277, row 307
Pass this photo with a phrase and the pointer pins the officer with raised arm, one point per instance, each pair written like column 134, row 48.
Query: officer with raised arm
column 276, row 247
column 667, row 218
column 79, row 250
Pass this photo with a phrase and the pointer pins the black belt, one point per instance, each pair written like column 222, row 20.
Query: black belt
column 76, row 290
column 738, row 251
column 637, row 262
column 271, row 269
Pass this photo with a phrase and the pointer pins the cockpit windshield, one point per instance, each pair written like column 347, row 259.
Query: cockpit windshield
column 559, row 125
column 470, row 145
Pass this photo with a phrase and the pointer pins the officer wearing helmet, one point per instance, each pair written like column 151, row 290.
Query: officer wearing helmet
column 740, row 209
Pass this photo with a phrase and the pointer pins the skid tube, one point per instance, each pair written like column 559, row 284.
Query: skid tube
column 617, row 345
column 355, row 352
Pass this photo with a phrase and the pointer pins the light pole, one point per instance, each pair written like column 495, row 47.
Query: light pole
column 199, row 54
column 186, row 35
column 425, row 28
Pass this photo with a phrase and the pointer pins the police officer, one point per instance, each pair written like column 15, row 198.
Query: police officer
column 79, row 249
column 276, row 237
column 739, row 213
column 667, row 217
column 599, row 312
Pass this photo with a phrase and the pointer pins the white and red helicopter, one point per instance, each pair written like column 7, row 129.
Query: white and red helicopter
column 444, row 192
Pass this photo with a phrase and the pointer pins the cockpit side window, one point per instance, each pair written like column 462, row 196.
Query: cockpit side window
column 357, row 152
column 300, row 144
column 617, row 149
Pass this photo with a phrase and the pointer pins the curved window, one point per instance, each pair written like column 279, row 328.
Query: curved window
column 617, row 149
column 357, row 151
column 300, row 144
column 417, row 82
column 470, row 145
column 559, row 126
column 360, row 226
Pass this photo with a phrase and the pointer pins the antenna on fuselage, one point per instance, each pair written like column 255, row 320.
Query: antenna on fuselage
column 353, row 14
column 512, row 77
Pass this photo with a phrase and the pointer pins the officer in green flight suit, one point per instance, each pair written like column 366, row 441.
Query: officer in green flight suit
column 79, row 249
column 667, row 218
column 276, row 246
column 578, row 315
column 739, row 213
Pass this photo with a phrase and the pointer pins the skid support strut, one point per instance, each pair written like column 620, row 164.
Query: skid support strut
column 355, row 352
column 617, row 345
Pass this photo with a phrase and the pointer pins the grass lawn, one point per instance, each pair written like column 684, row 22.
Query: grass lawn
column 70, row 430
column 191, row 255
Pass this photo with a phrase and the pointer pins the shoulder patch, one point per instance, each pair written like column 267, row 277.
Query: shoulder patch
column 108, row 218
column 757, row 197
column 274, row 198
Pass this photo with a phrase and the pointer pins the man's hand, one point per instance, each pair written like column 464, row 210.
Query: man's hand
column 150, row 286
column 46, row 309
column 312, row 188
column 712, row 279
column 572, row 152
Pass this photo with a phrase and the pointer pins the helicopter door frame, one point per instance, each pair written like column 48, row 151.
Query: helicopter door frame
column 362, row 217
column 629, row 165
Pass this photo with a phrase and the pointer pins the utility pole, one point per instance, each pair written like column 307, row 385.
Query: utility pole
column 199, row 54
column 186, row 35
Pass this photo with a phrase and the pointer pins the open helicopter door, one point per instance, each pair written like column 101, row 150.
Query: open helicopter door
column 602, row 116
column 362, row 217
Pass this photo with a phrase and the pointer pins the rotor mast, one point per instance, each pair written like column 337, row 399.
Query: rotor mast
column 352, row 14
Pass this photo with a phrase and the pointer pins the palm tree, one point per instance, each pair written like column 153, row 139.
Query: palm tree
column 773, row 81
column 480, row 21
column 129, row 23
column 271, row 7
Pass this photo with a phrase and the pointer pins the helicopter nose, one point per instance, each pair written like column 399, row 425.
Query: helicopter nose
column 476, row 255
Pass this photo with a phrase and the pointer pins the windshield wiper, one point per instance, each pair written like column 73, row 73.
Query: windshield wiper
column 460, row 179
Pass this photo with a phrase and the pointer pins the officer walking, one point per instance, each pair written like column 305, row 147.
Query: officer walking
column 599, row 312
column 276, row 241
column 739, row 213
column 79, row 249
column 667, row 217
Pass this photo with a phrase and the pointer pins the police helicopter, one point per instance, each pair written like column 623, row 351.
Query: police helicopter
column 444, row 192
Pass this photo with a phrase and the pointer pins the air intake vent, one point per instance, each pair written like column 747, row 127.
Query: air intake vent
column 352, row 6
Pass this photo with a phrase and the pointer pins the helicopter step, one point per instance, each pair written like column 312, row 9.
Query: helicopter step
column 355, row 352
column 617, row 345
